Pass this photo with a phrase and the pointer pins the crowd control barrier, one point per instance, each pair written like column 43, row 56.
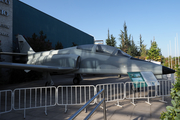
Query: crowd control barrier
column 43, row 97
column 164, row 89
column 74, row 95
column 37, row 97
column 91, row 113
column 5, row 101
column 113, row 92
column 140, row 90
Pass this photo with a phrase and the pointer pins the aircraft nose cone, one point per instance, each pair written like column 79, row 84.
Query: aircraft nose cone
column 167, row 70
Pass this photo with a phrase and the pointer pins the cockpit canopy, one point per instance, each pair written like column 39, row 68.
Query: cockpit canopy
column 87, row 47
column 104, row 49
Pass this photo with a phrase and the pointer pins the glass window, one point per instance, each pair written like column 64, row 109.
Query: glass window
column 105, row 49
column 85, row 47
column 120, row 53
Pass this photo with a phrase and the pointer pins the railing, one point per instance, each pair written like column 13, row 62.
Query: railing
column 140, row 90
column 37, row 97
column 113, row 92
column 74, row 95
column 164, row 89
column 5, row 101
column 91, row 113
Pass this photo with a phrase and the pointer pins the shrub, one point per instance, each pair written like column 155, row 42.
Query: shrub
column 173, row 112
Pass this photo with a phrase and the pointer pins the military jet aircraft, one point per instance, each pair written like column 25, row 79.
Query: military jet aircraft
column 82, row 59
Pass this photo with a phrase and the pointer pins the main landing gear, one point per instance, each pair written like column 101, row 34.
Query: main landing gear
column 77, row 79
column 119, row 76
column 47, row 76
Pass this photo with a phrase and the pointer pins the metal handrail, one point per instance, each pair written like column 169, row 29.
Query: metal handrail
column 84, row 106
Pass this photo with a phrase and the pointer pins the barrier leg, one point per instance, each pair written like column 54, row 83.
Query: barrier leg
column 163, row 93
column 133, row 99
column 163, row 100
column 148, row 97
column 24, row 113
column 117, row 104
column 65, row 109
column 85, row 110
column 45, row 111
column 148, row 101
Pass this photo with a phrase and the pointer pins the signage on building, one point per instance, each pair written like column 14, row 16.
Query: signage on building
column 5, row 1
column 3, row 12
column 4, row 26
column 4, row 34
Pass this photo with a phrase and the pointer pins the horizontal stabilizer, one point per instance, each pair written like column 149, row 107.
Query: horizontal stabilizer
column 42, row 68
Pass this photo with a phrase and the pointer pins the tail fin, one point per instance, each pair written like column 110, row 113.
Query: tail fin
column 23, row 45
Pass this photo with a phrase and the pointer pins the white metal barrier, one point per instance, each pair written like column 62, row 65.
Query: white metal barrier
column 164, row 89
column 74, row 95
column 5, row 101
column 140, row 90
column 37, row 97
column 113, row 92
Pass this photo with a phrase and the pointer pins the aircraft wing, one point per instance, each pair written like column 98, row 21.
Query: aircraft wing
column 42, row 68
column 13, row 54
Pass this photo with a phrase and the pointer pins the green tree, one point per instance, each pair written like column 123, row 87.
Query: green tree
column 58, row 45
column 134, row 49
column 108, row 40
column 111, row 40
column 74, row 44
column 154, row 53
column 125, row 40
column 39, row 43
column 143, row 50
column 140, row 44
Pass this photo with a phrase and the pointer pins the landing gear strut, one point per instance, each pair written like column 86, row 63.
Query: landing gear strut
column 119, row 76
column 48, row 78
column 77, row 79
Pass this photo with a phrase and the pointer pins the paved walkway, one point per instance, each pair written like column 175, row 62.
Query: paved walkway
column 141, row 111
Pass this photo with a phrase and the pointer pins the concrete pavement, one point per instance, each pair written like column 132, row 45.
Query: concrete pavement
column 141, row 111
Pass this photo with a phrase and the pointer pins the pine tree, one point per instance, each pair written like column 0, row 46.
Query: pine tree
column 140, row 43
column 122, row 45
column 134, row 51
column 113, row 41
column 39, row 43
column 154, row 53
column 58, row 45
column 125, row 40
column 108, row 40
column 143, row 51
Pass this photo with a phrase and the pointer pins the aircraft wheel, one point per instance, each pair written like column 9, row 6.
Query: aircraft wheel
column 46, row 84
column 49, row 84
column 76, row 81
column 119, row 76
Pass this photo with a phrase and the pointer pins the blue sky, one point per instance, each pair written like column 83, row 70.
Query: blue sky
column 150, row 18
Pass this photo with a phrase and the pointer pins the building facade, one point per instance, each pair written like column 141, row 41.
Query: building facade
column 17, row 17
column 6, row 26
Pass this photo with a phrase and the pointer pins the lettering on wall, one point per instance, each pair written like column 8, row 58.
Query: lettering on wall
column 3, row 12
column 4, row 34
column 7, row 2
column 4, row 26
